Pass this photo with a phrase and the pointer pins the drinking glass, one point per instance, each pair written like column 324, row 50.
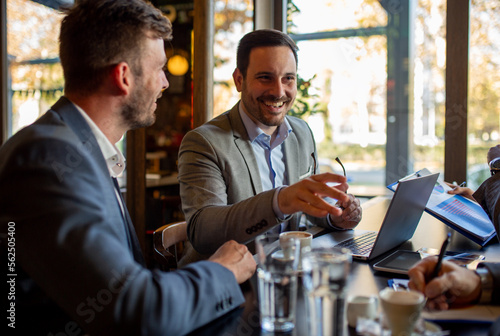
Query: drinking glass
column 277, row 281
column 324, row 279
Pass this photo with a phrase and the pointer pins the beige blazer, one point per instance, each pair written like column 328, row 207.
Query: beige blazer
column 220, row 186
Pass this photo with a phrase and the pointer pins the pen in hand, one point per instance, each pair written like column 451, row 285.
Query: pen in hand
column 437, row 268
column 463, row 184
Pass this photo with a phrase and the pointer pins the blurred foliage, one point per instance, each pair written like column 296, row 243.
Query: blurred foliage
column 306, row 104
column 484, row 70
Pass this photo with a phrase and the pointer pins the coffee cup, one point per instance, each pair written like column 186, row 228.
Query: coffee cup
column 401, row 309
column 361, row 306
column 305, row 239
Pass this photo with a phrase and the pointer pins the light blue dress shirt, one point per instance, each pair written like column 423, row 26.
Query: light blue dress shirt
column 270, row 157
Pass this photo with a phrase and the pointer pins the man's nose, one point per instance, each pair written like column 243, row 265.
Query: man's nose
column 278, row 89
column 165, row 83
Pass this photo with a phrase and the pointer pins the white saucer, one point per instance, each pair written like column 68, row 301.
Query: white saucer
column 430, row 328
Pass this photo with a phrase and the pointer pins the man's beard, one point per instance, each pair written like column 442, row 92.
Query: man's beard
column 135, row 113
column 254, row 108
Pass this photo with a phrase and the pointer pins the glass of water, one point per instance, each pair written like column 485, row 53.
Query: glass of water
column 277, row 281
column 324, row 280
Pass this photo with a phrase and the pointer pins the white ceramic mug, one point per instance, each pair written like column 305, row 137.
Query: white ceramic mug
column 305, row 239
column 361, row 306
column 401, row 309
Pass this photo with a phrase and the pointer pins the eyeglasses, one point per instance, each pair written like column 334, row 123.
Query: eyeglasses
column 340, row 162
column 336, row 159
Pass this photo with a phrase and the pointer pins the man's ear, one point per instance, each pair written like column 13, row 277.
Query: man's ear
column 122, row 77
column 238, row 79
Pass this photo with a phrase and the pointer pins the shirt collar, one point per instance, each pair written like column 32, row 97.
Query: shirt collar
column 112, row 155
column 254, row 131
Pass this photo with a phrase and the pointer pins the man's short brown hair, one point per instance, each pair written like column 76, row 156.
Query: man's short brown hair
column 98, row 34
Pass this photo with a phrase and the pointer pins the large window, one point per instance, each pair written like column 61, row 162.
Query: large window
column 233, row 19
column 345, row 61
column 484, row 87
column 36, row 78
column 428, row 85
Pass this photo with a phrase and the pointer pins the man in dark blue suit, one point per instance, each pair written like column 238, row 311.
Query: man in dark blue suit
column 78, row 266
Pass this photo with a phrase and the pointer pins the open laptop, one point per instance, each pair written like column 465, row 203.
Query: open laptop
column 400, row 221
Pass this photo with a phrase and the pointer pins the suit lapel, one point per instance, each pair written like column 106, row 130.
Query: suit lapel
column 291, row 151
column 72, row 117
column 243, row 144
column 291, row 146
column 133, row 241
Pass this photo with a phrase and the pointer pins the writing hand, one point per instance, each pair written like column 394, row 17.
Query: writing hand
column 454, row 286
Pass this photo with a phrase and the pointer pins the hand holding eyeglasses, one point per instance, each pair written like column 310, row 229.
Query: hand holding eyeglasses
column 311, row 196
column 308, row 195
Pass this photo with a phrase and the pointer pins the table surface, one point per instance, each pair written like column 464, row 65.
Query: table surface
column 363, row 279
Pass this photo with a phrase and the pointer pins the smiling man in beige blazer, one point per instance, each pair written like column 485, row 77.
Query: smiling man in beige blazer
column 253, row 168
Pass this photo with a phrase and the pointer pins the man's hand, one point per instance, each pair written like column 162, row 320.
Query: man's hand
column 308, row 195
column 464, row 191
column 455, row 286
column 351, row 213
column 493, row 153
column 237, row 259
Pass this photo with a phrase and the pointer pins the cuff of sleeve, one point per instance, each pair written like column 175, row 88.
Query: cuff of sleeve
column 277, row 211
column 486, row 285
column 333, row 226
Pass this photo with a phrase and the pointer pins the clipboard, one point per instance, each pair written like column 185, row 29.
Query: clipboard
column 458, row 212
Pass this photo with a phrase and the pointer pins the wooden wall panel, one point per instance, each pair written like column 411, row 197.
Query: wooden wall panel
column 457, row 52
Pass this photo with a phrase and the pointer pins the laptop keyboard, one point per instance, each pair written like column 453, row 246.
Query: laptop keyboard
column 360, row 245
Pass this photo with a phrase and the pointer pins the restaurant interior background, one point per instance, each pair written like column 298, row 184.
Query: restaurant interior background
column 352, row 72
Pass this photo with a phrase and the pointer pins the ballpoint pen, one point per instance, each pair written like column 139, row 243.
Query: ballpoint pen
column 437, row 268
column 463, row 184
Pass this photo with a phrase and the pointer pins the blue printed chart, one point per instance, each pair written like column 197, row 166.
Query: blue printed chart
column 467, row 215
column 456, row 211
